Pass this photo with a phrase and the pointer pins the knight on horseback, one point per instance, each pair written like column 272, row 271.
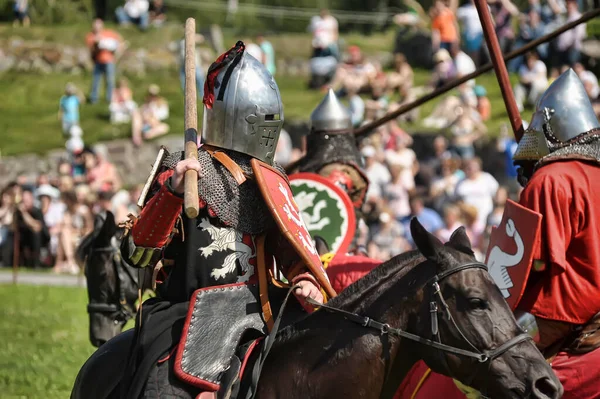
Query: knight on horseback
column 217, row 270
column 559, row 166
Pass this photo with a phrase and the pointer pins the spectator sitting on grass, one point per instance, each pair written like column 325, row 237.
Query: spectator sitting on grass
column 147, row 123
column 463, row 63
column 466, row 129
column 533, row 81
column 103, row 175
column 401, row 78
column 134, row 11
column 122, row 105
column 68, row 111
column 444, row 70
column 356, row 71
column 158, row 12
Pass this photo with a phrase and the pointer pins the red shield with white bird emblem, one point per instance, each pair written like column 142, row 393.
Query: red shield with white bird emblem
column 511, row 249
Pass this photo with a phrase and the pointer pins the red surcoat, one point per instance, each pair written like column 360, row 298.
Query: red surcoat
column 567, row 194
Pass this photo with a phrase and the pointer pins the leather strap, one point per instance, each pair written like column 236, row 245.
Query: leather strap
column 263, row 285
column 276, row 282
column 228, row 163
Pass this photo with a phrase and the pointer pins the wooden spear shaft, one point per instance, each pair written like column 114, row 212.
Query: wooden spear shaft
column 191, row 200
column 500, row 67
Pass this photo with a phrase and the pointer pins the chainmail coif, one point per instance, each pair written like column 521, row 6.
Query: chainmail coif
column 324, row 148
column 586, row 147
column 239, row 206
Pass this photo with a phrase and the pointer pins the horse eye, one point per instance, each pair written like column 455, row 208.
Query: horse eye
column 477, row 303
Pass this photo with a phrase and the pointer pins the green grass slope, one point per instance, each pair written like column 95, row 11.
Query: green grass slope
column 44, row 340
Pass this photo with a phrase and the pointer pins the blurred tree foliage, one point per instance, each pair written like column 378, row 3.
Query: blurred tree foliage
column 76, row 11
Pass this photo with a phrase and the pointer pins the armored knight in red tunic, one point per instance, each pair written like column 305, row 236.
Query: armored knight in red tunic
column 248, row 232
column 559, row 159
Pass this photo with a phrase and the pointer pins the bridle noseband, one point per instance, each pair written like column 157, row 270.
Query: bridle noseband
column 384, row 328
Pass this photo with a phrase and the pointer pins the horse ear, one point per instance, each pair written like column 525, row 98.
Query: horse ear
column 321, row 245
column 426, row 243
column 106, row 222
column 460, row 240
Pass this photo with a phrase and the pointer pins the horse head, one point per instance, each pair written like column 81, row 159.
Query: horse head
column 461, row 307
column 112, row 285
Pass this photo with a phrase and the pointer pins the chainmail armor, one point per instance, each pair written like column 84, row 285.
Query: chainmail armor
column 325, row 148
column 239, row 206
column 585, row 147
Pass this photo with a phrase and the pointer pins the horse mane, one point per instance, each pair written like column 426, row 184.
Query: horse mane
column 380, row 275
column 357, row 294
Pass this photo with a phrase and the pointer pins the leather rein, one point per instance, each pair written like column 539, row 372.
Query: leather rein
column 384, row 328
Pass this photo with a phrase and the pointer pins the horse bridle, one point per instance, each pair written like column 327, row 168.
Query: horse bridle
column 121, row 310
column 384, row 328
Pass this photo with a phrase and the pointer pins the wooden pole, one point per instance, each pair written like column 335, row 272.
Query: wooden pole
column 500, row 66
column 365, row 130
column 191, row 201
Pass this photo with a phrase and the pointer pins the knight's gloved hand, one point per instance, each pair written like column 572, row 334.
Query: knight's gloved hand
column 308, row 289
column 177, row 180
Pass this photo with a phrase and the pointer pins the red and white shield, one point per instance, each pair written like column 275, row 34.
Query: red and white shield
column 511, row 249
column 326, row 209
column 279, row 198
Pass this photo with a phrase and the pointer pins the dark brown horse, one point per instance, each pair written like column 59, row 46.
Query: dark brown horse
column 437, row 304
column 111, row 283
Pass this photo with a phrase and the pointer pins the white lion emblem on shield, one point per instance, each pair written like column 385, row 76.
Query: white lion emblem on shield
column 499, row 261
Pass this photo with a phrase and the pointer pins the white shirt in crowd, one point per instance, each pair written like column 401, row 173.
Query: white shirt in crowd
column 255, row 51
column 324, row 30
column 572, row 37
column 378, row 176
column 469, row 19
column 135, row 8
column 479, row 193
column 464, row 66
column 538, row 75
column 589, row 77
column 404, row 158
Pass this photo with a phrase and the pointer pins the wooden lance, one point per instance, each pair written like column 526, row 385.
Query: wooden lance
column 500, row 67
column 190, row 199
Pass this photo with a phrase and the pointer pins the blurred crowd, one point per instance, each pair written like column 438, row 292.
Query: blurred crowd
column 43, row 218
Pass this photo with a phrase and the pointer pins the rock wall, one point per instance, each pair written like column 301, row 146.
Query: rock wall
column 134, row 164
column 42, row 57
